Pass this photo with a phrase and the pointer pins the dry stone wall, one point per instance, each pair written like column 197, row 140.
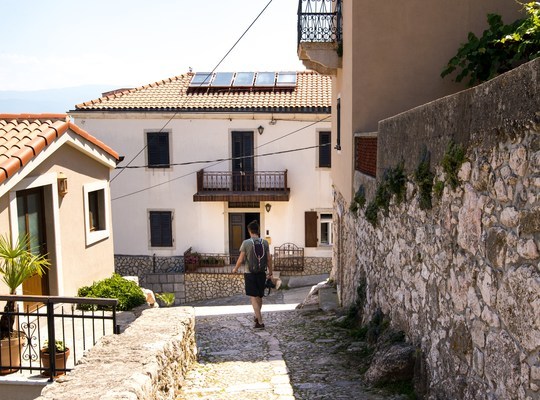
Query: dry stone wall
column 463, row 279
column 202, row 286
column 146, row 362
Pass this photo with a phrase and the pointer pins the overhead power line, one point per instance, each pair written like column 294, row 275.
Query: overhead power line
column 209, row 74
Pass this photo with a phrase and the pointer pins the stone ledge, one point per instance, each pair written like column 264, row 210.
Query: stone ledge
column 148, row 361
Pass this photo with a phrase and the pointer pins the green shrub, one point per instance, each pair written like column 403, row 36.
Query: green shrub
column 451, row 163
column 396, row 179
column 438, row 188
column 167, row 298
column 371, row 212
column 424, row 179
column 360, row 196
column 128, row 293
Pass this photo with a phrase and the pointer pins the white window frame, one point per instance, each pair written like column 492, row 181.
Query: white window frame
column 330, row 223
column 98, row 235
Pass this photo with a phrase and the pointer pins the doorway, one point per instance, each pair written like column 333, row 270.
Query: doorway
column 242, row 163
column 31, row 224
column 238, row 232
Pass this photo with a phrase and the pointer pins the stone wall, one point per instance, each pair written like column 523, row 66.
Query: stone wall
column 312, row 266
column 462, row 279
column 202, row 286
column 146, row 362
column 127, row 265
column 168, row 283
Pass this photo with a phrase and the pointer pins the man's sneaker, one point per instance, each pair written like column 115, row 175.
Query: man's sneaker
column 258, row 326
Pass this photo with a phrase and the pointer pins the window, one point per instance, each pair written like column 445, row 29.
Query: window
column 158, row 149
column 325, row 150
column 318, row 228
column 96, row 211
column 161, row 228
column 338, row 125
column 326, row 230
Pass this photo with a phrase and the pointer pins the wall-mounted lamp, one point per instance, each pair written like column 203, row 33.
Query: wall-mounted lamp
column 62, row 184
column 268, row 207
column 260, row 129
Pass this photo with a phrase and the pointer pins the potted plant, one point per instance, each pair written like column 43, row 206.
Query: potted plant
column 61, row 357
column 192, row 260
column 17, row 264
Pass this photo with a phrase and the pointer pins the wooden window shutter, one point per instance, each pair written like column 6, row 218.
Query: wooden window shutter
column 161, row 228
column 325, row 151
column 311, row 228
column 158, row 149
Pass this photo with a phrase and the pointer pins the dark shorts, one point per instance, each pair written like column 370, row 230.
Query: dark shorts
column 255, row 284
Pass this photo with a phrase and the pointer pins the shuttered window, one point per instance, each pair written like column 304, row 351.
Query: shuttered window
column 311, row 228
column 161, row 229
column 325, row 150
column 158, row 149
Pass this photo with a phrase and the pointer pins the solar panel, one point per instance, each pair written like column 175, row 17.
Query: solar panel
column 201, row 79
column 223, row 79
column 244, row 79
column 286, row 79
column 265, row 79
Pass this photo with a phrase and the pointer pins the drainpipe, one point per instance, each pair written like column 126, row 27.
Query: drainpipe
column 154, row 263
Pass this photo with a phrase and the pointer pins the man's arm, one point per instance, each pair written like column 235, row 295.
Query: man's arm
column 239, row 262
column 270, row 267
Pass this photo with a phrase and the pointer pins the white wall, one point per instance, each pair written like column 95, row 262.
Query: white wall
column 204, row 225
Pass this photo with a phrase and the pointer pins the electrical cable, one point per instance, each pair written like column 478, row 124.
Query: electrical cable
column 209, row 74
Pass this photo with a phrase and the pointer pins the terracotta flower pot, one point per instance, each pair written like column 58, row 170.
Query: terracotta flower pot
column 60, row 358
column 10, row 352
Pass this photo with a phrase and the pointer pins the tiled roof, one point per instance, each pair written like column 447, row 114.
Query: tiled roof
column 312, row 93
column 24, row 136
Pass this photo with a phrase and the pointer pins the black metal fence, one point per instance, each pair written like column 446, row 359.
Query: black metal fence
column 319, row 21
column 77, row 322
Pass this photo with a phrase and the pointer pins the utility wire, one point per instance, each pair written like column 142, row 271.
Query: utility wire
column 209, row 74
column 193, row 172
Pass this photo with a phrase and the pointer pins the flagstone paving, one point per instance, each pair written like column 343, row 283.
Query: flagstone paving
column 299, row 355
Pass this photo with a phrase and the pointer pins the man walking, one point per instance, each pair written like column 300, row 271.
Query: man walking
column 257, row 268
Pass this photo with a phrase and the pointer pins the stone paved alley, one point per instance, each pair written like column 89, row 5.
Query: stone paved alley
column 299, row 355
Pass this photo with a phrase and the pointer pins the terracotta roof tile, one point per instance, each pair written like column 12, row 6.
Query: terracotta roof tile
column 24, row 136
column 313, row 93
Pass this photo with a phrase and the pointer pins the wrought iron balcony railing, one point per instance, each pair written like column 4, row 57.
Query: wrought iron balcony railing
column 319, row 21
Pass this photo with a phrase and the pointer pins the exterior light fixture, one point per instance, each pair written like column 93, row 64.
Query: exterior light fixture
column 268, row 207
column 260, row 129
column 62, row 184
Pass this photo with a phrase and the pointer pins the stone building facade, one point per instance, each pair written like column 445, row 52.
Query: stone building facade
column 461, row 279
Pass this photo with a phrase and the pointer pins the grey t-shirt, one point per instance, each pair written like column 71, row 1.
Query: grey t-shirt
column 251, row 258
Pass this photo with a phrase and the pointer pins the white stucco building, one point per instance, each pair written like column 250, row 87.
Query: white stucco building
column 208, row 153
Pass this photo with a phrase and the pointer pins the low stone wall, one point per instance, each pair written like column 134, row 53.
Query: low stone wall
column 128, row 265
column 463, row 279
column 202, row 286
column 168, row 283
column 146, row 362
column 312, row 266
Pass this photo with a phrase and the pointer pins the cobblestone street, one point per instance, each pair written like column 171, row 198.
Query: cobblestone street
column 299, row 355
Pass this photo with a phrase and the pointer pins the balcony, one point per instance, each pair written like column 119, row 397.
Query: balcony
column 320, row 35
column 242, row 186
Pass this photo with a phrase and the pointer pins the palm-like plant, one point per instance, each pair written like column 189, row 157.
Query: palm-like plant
column 17, row 264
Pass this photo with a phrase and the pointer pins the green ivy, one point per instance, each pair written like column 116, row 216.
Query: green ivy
column 371, row 212
column 396, row 179
column 452, row 160
column 500, row 48
column 360, row 196
column 424, row 179
column 438, row 188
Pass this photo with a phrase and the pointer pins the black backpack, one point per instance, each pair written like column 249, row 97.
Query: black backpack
column 261, row 258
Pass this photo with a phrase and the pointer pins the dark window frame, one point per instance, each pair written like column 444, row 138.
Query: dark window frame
column 161, row 228
column 158, row 149
column 325, row 149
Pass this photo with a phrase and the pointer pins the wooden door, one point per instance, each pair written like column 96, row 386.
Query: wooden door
column 31, row 221
column 236, row 234
column 242, row 164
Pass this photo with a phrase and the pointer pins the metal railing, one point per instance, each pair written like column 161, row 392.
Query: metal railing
column 50, row 319
column 208, row 181
column 319, row 21
column 215, row 262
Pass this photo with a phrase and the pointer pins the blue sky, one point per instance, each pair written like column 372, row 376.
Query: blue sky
column 125, row 43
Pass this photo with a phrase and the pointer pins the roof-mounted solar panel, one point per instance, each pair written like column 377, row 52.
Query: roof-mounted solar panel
column 223, row 79
column 265, row 79
column 201, row 79
column 286, row 79
column 244, row 79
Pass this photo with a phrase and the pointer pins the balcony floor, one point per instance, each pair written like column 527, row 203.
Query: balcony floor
column 242, row 196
